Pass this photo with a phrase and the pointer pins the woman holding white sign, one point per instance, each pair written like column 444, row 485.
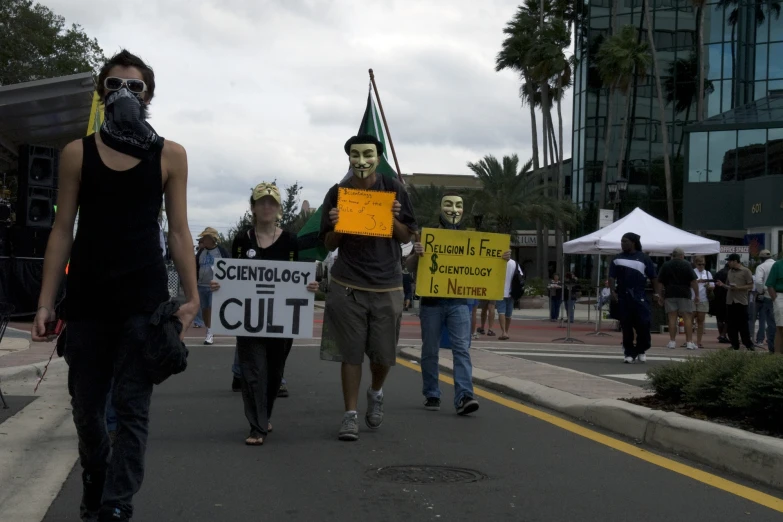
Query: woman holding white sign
column 262, row 359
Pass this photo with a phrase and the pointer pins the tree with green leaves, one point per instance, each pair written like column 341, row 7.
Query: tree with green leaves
column 36, row 44
column 661, row 114
column 290, row 206
column 681, row 90
column 512, row 192
column 621, row 57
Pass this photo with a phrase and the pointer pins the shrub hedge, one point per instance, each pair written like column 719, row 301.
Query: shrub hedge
column 727, row 383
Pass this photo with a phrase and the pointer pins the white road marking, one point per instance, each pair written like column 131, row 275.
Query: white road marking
column 38, row 448
column 630, row 376
column 617, row 357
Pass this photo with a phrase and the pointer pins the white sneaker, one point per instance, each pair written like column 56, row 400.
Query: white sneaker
column 642, row 358
column 208, row 339
column 628, row 359
column 692, row 346
column 672, row 345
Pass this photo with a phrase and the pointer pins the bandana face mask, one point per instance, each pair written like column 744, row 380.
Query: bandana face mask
column 451, row 209
column 125, row 126
column 364, row 160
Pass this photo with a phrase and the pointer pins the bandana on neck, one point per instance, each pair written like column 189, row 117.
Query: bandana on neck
column 125, row 128
column 445, row 224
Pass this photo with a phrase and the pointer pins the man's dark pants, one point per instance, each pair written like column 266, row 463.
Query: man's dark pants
column 96, row 353
column 634, row 315
column 737, row 319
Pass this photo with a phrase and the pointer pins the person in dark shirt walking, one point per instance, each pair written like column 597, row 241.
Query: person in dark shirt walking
column 262, row 359
column 365, row 300
column 630, row 270
column 117, row 180
column 676, row 280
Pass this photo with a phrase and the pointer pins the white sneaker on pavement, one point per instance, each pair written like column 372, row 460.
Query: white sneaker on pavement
column 628, row 359
column 208, row 339
column 692, row 346
column 642, row 358
column 672, row 345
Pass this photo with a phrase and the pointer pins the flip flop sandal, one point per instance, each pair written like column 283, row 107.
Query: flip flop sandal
column 491, row 333
column 503, row 338
column 254, row 441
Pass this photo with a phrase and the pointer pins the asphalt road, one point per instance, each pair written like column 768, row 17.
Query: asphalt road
column 199, row 470
column 607, row 363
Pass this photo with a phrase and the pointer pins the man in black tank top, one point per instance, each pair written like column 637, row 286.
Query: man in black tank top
column 116, row 180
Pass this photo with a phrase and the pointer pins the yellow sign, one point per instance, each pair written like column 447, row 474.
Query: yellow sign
column 96, row 115
column 365, row 212
column 462, row 264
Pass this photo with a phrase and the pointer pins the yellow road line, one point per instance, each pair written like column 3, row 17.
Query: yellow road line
column 696, row 474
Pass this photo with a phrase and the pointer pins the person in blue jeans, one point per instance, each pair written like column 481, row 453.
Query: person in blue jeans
column 451, row 314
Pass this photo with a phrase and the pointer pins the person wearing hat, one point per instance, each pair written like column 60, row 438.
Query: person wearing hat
column 739, row 283
column 205, row 260
column 262, row 359
column 764, row 302
column 630, row 271
column 677, row 283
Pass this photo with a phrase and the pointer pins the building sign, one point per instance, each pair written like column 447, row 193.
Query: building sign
column 605, row 217
column 263, row 298
column 462, row 264
column 742, row 250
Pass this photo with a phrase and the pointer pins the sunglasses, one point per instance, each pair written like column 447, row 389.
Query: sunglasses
column 115, row 84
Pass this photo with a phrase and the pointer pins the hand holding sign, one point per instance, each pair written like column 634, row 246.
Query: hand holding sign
column 366, row 212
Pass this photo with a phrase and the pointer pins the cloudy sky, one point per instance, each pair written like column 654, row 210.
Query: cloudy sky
column 258, row 90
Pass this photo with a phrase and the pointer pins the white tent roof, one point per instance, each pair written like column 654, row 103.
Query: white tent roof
column 657, row 238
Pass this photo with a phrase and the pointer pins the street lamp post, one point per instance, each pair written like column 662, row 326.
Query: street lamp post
column 616, row 191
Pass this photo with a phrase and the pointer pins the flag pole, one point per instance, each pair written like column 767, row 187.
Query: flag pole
column 386, row 126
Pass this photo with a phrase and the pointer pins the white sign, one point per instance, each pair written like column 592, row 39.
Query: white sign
column 263, row 298
column 743, row 251
column 605, row 217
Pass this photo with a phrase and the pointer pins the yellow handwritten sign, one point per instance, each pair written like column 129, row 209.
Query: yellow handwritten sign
column 461, row 264
column 365, row 212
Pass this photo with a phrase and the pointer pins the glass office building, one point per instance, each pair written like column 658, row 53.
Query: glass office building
column 736, row 145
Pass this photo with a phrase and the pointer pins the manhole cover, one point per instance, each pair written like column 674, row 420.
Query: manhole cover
column 426, row 475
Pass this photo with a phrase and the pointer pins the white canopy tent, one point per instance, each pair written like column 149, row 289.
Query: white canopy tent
column 657, row 238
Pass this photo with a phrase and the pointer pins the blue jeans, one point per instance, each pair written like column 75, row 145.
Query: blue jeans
column 235, row 367
column 766, row 319
column 554, row 307
column 570, row 305
column 456, row 319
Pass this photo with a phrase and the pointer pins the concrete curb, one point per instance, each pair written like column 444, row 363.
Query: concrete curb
column 28, row 371
column 756, row 457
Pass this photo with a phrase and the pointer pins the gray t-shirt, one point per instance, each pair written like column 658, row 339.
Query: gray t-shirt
column 206, row 259
column 366, row 262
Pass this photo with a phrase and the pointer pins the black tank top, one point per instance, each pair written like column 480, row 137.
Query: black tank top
column 117, row 267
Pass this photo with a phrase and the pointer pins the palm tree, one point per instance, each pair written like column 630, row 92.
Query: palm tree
column 620, row 56
column 680, row 89
column 700, row 6
column 426, row 204
column 511, row 192
column 661, row 115
column 513, row 55
column 761, row 8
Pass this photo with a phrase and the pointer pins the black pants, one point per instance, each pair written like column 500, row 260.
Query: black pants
column 737, row 319
column 261, row 363
column 103, row 356
column 634, row 317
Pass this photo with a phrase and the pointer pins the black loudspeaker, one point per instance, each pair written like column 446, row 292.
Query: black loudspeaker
column 28, row 241
column 38, row 182
column 5, row 241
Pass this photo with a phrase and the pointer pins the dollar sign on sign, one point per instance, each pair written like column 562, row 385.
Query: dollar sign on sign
column 434, row 266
